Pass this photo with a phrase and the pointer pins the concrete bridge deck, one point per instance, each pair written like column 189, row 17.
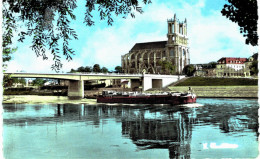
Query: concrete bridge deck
column 76, row 80
column 76, row 76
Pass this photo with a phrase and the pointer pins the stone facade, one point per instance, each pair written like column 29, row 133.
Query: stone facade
column 205, row 70
column 233, row 67
column 146, row 57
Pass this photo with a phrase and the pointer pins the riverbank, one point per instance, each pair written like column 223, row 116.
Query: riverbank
column 34, row 99
column 220, row 91
column 200, row 91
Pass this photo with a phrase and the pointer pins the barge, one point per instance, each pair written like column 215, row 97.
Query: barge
column 173, row 98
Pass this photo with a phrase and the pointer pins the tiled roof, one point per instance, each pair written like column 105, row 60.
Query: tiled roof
column 232, row 60
column 149, row 45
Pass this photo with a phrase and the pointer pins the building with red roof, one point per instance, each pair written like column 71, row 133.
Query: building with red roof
column 233, row 67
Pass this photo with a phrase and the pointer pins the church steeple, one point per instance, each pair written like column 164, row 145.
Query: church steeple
column 177, row 44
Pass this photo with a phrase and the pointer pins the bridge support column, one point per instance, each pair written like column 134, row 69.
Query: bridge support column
column 159, row 81
column 76, row 89
column 147, row 83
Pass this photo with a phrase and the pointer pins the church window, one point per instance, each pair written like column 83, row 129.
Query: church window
column 180, row 31
column 173, row 38
column 172, row 28
column 172, row 52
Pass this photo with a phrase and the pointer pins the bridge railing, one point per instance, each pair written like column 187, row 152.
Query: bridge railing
column 98, row 73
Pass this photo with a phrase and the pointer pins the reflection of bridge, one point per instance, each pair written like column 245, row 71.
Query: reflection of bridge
column 76, row 80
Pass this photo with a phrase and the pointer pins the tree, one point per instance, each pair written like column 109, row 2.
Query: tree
column 38, row 82
column 118, row 69
column 88, row 69
column 96, row 68
column 72, row 71
column 36, row 19
column 19, row 80
column 189, row 70
column 243, row 12
column 254, row 67
column 81, row 69
column 167, row 67
column 8, row 81
column 104, row 70
column 213, row 64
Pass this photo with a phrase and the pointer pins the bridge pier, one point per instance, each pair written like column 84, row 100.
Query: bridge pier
column 158, row 81
column 76, row 89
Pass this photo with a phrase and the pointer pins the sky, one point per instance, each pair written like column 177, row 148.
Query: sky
column 211, row 36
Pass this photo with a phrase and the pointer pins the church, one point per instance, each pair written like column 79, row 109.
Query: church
column 148, row 57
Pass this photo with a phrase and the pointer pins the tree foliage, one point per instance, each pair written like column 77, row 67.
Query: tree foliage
column 47, row 23
column 212, row 64
column 189, row 70
column 88, row 69
column 167, row 67
column 104, row 70
column 39, row 82
column 9, row 81
column 95, row 68
column 243, row 12
column 118, row 69
column 254, row 66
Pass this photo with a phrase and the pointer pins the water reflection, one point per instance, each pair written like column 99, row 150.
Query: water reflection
column 168, row 128
column 171, row 131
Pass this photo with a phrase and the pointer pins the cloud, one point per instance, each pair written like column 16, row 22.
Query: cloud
column 26, row 60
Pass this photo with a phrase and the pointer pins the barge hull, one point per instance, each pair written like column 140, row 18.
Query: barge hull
column 153, row 99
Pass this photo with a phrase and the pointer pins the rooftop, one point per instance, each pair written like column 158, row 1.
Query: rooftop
column 232, row 60
column 149, row 45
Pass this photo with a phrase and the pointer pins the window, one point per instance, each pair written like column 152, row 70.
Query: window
column 172, row 28
column 183, row 52
column 172, row 52
column 180, row 29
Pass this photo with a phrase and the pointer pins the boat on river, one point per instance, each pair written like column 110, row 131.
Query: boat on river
column 146, row 98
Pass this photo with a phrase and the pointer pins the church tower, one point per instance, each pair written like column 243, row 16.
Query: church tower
column 177, row 45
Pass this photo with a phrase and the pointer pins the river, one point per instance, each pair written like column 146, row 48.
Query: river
column 220, row 128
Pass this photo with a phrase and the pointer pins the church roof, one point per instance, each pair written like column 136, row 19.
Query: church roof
column 149, row 45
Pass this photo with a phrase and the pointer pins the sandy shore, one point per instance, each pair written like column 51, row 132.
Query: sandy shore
column 34, row 99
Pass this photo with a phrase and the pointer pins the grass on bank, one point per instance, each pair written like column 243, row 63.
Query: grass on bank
column 207, row 81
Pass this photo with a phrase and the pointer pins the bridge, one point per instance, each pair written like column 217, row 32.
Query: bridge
column 76, row 80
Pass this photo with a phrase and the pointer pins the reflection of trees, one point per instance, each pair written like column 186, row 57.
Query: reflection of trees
column 13, row 107
column 37, row 107
column 230, row 118
column 148, row 122
column 171, row 130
